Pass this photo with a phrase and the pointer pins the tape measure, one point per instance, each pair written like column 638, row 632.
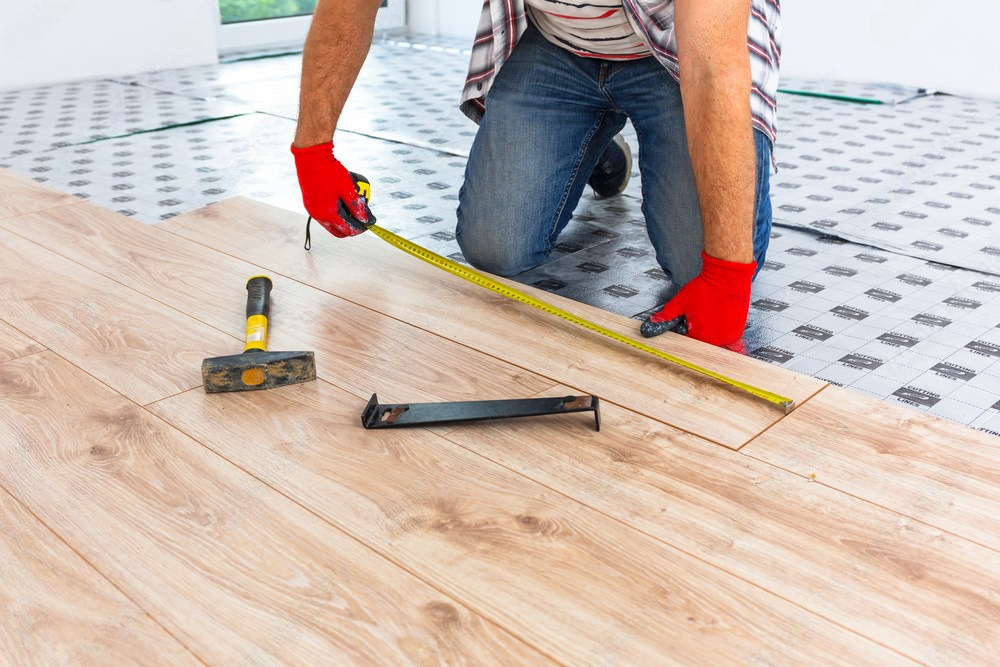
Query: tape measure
column 483, row 280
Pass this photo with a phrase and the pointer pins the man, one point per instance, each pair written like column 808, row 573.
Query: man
column 551, row 83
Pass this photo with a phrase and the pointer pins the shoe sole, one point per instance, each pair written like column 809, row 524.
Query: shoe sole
column 620, row 140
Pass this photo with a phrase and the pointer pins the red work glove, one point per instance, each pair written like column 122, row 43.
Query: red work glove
column 329, row 193
column 714, row 305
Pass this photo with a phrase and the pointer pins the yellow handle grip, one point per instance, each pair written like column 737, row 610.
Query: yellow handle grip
column 256, row 333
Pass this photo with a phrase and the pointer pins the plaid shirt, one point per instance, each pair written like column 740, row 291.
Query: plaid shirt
column 503, row 22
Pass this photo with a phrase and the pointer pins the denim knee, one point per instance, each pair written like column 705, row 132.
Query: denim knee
column 487, row 242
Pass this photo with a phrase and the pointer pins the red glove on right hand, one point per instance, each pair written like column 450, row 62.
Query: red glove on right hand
column 329, row 193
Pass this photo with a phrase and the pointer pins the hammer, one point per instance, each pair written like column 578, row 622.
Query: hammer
column 257, row 368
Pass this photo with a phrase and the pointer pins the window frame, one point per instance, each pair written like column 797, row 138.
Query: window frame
column 290, row 31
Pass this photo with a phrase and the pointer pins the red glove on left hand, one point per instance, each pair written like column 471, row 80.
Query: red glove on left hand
column 329, row 192
column 715, row 304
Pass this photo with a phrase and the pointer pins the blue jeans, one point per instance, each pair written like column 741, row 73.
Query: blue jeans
column 549, row 117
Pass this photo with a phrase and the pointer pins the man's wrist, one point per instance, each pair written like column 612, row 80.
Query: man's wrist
column 309, row 139
column 313, row 131
column 716, row 263
column 731, row 253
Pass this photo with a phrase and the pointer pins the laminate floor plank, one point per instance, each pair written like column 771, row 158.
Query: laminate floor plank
column 56, row 609
column 367, row 270
column 584, row 588
column 930, row 469
column 236, row 571
column 928, row 594
column 356, row 349
column 14, row 344
column 123, row 338
column 19, row 195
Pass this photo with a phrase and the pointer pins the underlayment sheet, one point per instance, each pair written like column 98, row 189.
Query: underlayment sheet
column 900, row 328
column 216, row 77
column 41, row 119
column 157, row 175
column 888, row 323
column 919, row 178
column 876, row 93
column 963, row 107
column 405, row 92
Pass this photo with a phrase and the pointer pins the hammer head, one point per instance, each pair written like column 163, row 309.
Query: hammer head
column 257, row 369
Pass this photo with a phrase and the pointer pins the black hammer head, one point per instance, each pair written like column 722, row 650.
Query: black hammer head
column 257, row 369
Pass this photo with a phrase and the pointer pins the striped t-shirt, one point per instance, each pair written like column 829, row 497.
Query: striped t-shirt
column 595, row 29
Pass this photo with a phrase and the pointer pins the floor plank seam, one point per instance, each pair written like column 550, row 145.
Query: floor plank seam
column 923, row 522
column 677, row 548
column 26, row 356
column 18, row 330
column 378, row 552
column 101, row 574
column 174, row 395
column 784, row 416
column 4, row 218
column 119, row 282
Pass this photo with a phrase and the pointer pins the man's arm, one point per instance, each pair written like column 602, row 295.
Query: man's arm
column 335, row 50
column 715, row 89
column 338, row 42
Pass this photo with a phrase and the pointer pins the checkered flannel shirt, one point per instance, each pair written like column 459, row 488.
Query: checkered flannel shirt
column 502, row 23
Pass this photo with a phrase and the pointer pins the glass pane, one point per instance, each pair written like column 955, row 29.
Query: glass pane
column 234, row 11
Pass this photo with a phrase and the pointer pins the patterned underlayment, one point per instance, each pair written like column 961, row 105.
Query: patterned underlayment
column 883, row 273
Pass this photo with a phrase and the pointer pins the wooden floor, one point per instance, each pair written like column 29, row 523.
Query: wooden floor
column 144, row 521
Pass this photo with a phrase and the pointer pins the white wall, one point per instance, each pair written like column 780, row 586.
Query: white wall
column 946, row 45
column 64, row 40
column 449, row 18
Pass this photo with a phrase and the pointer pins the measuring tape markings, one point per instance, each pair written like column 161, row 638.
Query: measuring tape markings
column 485, row 281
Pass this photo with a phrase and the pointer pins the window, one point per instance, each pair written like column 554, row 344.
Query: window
column 257, row 24
column 237, row 11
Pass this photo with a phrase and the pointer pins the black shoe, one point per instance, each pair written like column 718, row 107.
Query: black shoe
column 610, row 176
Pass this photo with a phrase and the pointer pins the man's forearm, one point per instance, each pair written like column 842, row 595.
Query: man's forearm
column 335, row 50
column 720, row 140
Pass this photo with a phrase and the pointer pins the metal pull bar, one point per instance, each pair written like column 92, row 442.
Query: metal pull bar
column 397, row 415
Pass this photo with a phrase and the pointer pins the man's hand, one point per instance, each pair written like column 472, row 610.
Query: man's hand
column 714, row 304
column 329, row 193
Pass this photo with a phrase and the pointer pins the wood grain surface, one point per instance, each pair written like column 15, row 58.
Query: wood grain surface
column 368, row 271
column 584, row 588
column 56, row 609
column 270, row 527
column 930, row 469
column 136, row 345
column 356, row 349
column 19, row 195
column 14, row 344
column 917, row 589
column 233, row 569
